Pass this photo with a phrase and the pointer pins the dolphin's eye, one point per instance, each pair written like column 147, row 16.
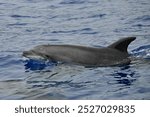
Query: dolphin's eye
column 46, row 56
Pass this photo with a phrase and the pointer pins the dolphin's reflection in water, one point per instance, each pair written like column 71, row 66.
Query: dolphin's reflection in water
column 125, row 75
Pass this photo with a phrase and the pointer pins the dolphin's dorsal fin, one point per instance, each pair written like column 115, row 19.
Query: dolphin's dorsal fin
column 122, row 44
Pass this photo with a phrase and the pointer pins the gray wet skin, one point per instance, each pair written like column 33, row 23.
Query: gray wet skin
column 114, row 54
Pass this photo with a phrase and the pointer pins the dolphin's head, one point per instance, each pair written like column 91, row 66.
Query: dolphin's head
column 37, row 52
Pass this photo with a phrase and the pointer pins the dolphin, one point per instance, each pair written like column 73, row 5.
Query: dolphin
column 114, row 54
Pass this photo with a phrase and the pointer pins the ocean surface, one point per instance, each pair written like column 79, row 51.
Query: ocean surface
column 96, row 23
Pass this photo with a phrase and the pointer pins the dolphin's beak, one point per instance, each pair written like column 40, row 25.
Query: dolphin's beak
column 32, row 55
column 26, row 53
column 29, row 54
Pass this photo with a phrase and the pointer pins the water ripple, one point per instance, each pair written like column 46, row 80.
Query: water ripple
column 142, row 52
column 72, row 2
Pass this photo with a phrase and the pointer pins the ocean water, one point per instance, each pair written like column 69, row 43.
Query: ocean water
column 27, row 23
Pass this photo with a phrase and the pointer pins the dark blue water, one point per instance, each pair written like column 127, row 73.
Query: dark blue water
column 27, row 23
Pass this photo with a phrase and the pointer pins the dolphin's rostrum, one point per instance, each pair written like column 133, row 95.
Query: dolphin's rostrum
column 114, row 54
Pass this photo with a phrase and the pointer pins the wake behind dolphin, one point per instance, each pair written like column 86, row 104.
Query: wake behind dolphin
column 114, row 54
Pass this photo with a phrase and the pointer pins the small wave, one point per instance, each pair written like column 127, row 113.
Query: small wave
column 126, row 81
column 97, row 16
column 23, row 16
column 12, row 80
column 141, row 25
column 143, row 18
column 48, row 84
column 31, row 64
column 72, row 2
column 81, row 31
column 9, row 60
column 17, row 24
column 125, row 78
column 19, row 16
column 142, row 52
column 144, row 90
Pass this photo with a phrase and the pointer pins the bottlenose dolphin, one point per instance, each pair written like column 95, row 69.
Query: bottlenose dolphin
column 114, row 54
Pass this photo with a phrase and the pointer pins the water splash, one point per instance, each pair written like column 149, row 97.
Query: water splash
column 142, row 52
column 32, row 64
